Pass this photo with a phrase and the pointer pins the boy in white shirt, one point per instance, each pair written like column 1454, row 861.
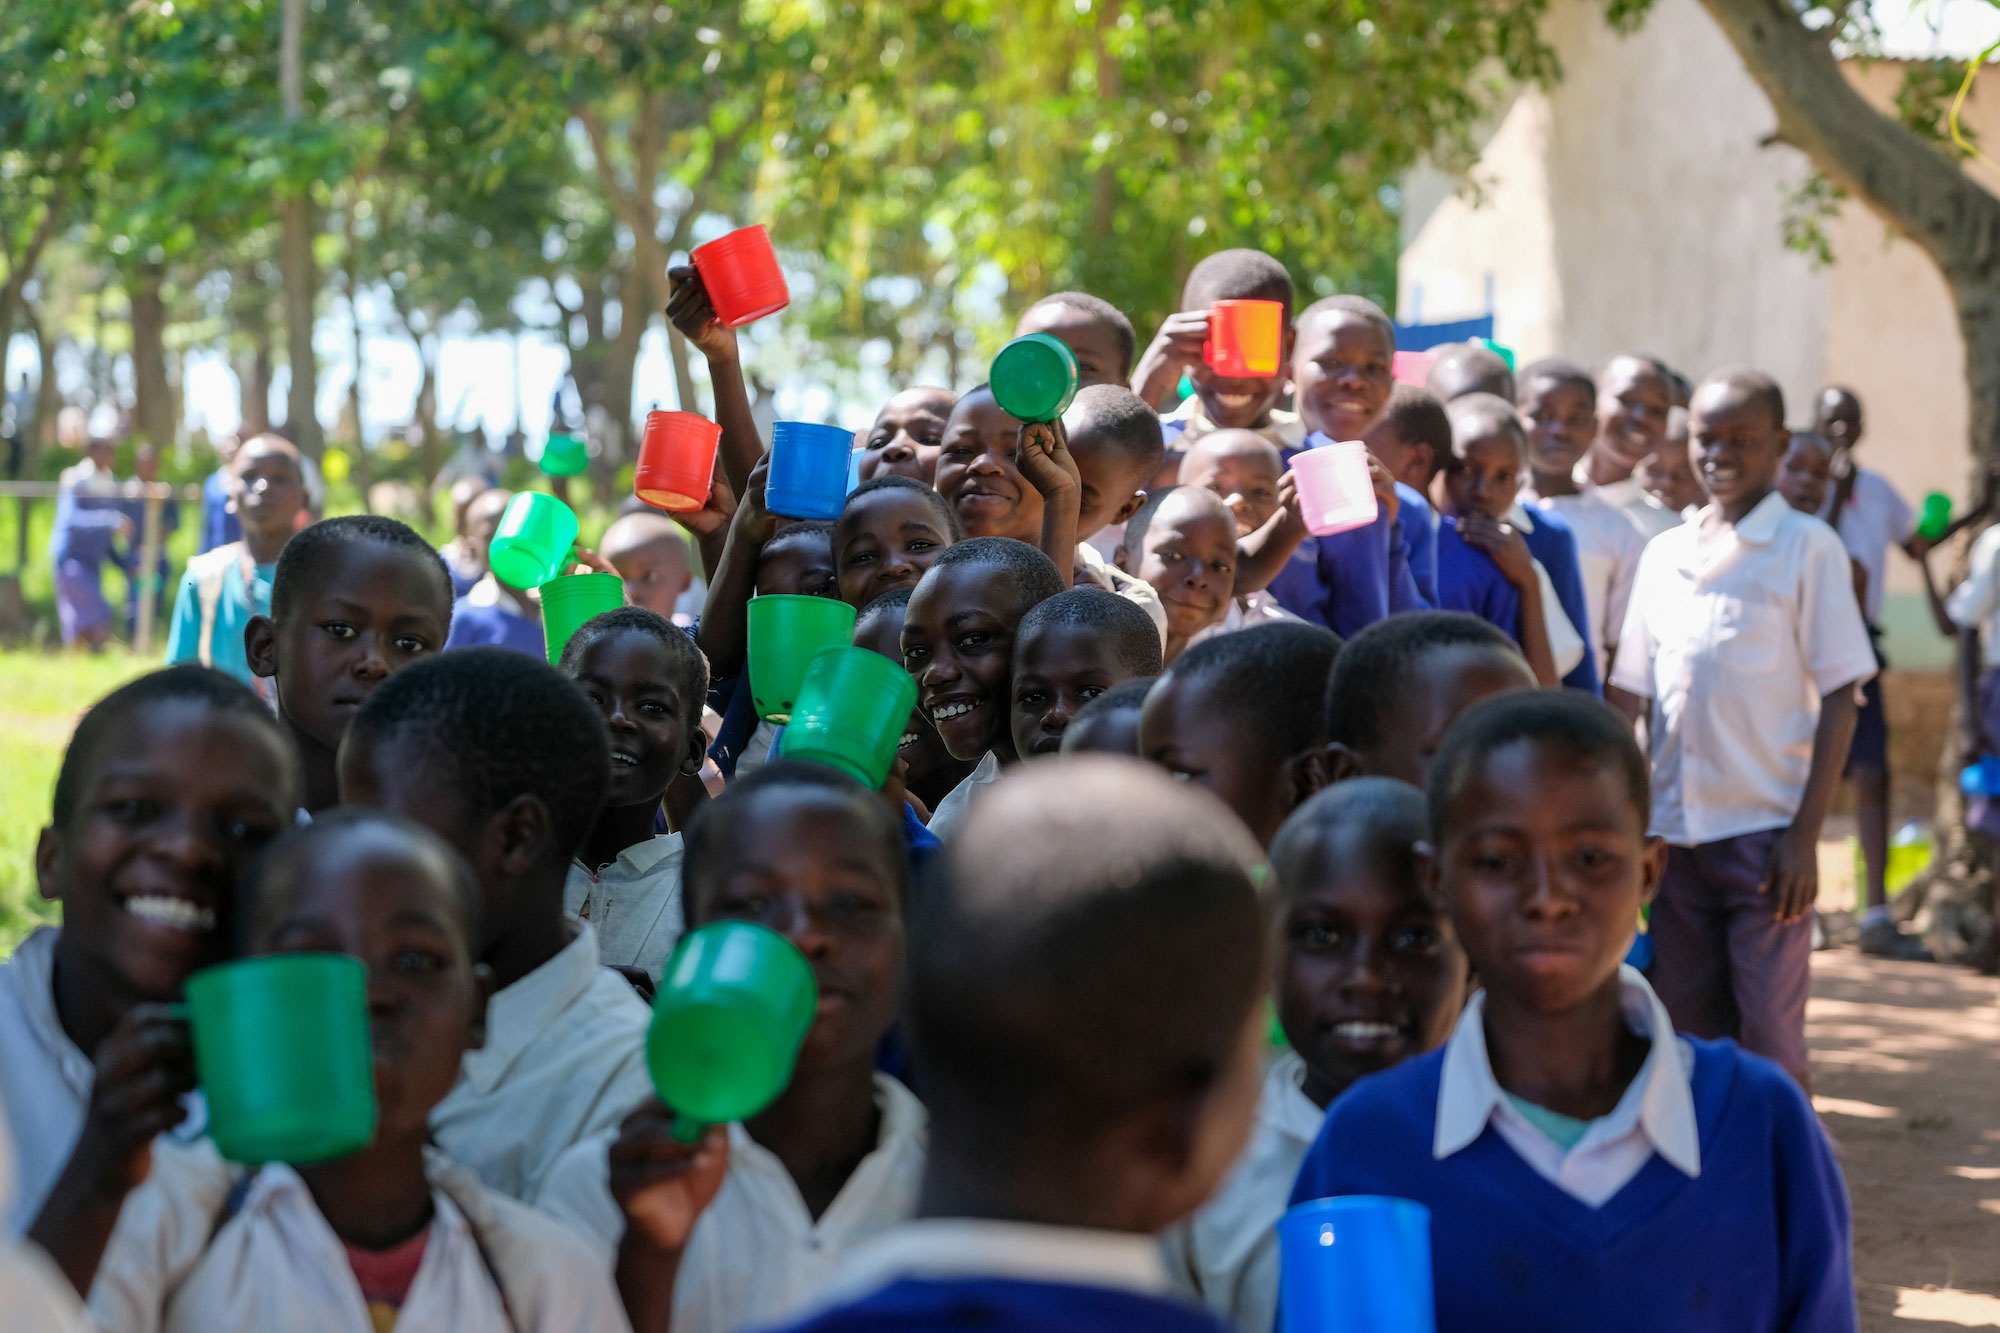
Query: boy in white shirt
column 1744, row 635
column 1634, row 397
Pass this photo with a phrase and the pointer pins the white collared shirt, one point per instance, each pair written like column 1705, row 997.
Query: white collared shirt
column 1874, row 519
column 276, row 1264
column 1129, row 586
column 634, row 903
column 1251, row 609
column 945, row 1248
column 1226, row 1255
column 1735, row 633
column 1608, row 545
column 33, row 1291
column 1655, row 1114
column 1628, row 497
column 757, row 1256
column 956, row 801
column 1975, row 603
column 565, row 1058
column 1285, row 430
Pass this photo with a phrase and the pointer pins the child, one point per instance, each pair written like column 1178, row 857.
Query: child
column 169, row 787
column 751, row 1223
column 1745, row 636
column 1241, row 715
column 1558, row 406
column 1000, row 485
column 493, row 613
column 507, row 761
column 648, row 680
column 1244, row 469
column 651, row 556
column 889, row 532
column 1412, row 437
column 1369, row 974
column 394, row 1233
column 958, row 641
column 1182, row 544
column 223, row 588
column 1397, row 686
column 1673, row 493
column 1458, row 369
column 1805, row 475
column 1092, row 328
column 1220, row 401
column 1115, row 440
column 88, row 517
column 353, row 600
column 1109, row 724
column 929, row 771
column 1565, row 1139
column 1069, row 650
column 1634, row 395
column 904, row 440
column 462, row 555
column 1084, row 1003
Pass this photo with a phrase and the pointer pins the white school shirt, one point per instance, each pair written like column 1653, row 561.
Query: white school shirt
column 634, row 903
column 1285, row 430
column 756, row 1256
column 1246, row 612
column 1608, row 545
column 1975, row 603
column 1735, row 633
column 1129, row 586
column 565, row 1057
column 1629, row 498
column 959, row 799
column 1655, row 1114
column 276, row 1264
column 1226, row 1255
column 33, row 1291
column 1874, row 519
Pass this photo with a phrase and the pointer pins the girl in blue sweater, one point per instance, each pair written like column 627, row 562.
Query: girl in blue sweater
column 1586, row 1168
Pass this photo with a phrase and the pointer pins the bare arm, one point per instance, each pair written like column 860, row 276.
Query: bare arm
column 1791, row 876
column 1261, row 554
column 688, row 310
column 724, row 634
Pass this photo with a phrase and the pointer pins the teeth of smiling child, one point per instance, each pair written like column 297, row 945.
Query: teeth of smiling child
column 950, row 711
column 909, row 739
column 623, row 760
column 1364, row 1031
column 161, row 910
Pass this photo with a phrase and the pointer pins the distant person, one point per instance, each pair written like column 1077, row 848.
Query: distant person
column 89, row 514
column 491, row 612
column 1634, row 396
column 222, row 589
column 219, row 525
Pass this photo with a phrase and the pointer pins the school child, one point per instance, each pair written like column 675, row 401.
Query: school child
column 392, row 1234
column 1114, row 439
column 752, row 1222
column 1458, row 369
column 958, row 642
column 1097, row 332
column 170, row 785
column 1369, row 974
column 353, row 600
column 889, row 532
column 904, row 439
column 1085, row 1008
column 1485, row 564
column 222, row 589
column 1242, row 716
column 492, row 613
column 1109, row 724
column 1000, row 487
column 1069, row 650
column 652, row 558
column 464, row 557
column 1411, row 437
column 1566, row 1138
column 1397, row 687
column 1558, row 567
column 1805, row 475
column 1182, row 543
column 1220, row 401
column 219, row 524
column 1244, row 469
column 929, row 771
column 1634, row 396
column 1745, row 636
column 88, row 517
column 1673, row 493
column 508, row 762
column 1558, row 402
column 648, row 680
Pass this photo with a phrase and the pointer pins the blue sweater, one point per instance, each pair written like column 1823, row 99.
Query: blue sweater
column 1757, row 1243
column 1004, row 1305
column 1468, row 580
column 1352, row 579
column 1554, row 545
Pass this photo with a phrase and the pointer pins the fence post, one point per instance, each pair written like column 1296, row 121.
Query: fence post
column 149, row 568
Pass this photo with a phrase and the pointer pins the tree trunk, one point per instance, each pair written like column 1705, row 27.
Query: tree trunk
column 153, row 408
column 295, row 213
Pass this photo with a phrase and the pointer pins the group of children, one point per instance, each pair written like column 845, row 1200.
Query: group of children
column 1178, row 770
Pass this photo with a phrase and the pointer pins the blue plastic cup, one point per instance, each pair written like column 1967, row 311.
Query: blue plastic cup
column 1359, row 1264
column 808, row 476
column 1982, row 778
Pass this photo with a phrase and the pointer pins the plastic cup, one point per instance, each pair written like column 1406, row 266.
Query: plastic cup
column 1412, row 368
column 808, row 476
column 1359, row 1262
column 735, row 1002
column 282, row 1051
column 1936, row 516
column 571, row 599
column 1244, row 338
column 676, row 460
column 532, row 543
column 1335, row 490
column 742, row 275
column 1982, row 778
column 852, row 710
column 1034, row 377
column 564, row 456
column 786, row 633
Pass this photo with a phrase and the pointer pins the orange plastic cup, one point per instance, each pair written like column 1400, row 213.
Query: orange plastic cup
column 676, row 460
column 742, row 275
column 1244, row 338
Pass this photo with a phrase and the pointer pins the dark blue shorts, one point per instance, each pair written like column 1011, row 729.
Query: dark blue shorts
column 1871, row 730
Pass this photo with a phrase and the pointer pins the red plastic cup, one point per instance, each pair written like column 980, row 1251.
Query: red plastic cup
column 1335, row 491
column 1244, row 338
column 742, row 275
column 676, row 460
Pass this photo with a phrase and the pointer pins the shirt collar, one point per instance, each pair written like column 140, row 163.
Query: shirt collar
column 1521, row 518
column 636, row 860
column 1659, row 1100
column 961, row 1247
column 34, row 978
column 1284, row 1105
column 1759, row 527
column 518, row 1014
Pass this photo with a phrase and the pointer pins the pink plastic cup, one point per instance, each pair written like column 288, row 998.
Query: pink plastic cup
column 1335, row 491
column 1244, row 338
column 1412, row 368
column 742, row 275
column 676, row 460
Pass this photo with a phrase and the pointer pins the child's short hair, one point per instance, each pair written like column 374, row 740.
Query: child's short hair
column 1378, row 666
column 1555, row 370
column 493, row 725
column 281, row 859
column 1392, row 811
column 1125, row 694
column 1273, row 676
column 303, row 561
column 1417, row 416
column 1123, row 626
column 714, row 821
column 1346, row 304
column 1754, row 384
column 186, row 683
column 1103, row 311
column 1463, row 368
column 940, row 508
column 1133, row 543
column 803, row 527
column 1121, row 420
column 690, row 665
column 896, row 599
column 1036, row 574
column 1237, row 275
column 1484, row 413
column 1582, row 726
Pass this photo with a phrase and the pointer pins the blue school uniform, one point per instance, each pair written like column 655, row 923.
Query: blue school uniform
column 1001, row 1305
column 219, row 527
column 1553, row 545
column 1352, row 579
column 88, row 516
column 1468, row 580
column 478, row 623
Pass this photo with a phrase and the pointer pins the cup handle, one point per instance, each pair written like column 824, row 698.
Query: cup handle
column 686, row 1129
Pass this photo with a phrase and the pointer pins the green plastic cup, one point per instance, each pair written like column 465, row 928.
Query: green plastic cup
column 785, row 633
column 853, row 707
column 1936, row 516
column 564, row 455
column 1034, row 377
column 735, row 1003
column 569, row 600
column 532, row 543
column 282, row 1051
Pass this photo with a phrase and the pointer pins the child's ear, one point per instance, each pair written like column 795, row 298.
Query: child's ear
column 1126, row 510
column 1430, row 874
column 1305, row 774
column 48, row 863
column 697, row 743
column 482, row 994
column 260, row 646
column 518, row 836
column 1653, row 866
column 1341, row 763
